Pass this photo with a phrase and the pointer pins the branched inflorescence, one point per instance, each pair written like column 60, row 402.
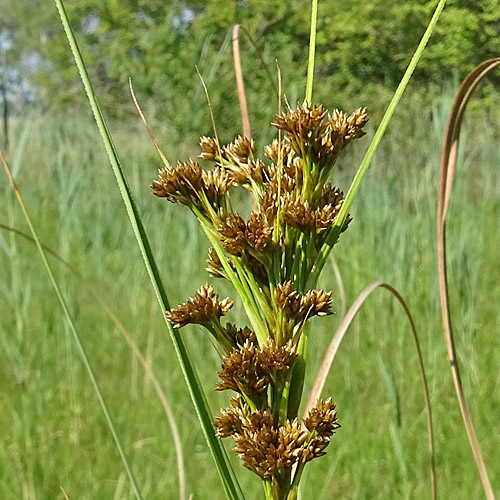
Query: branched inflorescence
column 268, row 258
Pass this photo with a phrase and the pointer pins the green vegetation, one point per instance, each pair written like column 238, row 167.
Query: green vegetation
column 52, row 425
column 362, row 51
column 52, row 430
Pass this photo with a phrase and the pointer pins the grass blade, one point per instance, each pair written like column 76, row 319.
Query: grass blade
column 224, row 468
column 312, row 51
column 447, row 173
column 334, row 345
column 349, row 199
column 74, row 332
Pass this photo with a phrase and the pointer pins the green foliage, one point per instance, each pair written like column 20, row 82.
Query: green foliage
column 363, row 48
column 52, row 432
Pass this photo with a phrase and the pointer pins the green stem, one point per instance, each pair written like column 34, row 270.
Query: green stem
column 267, row 489
column 226, row 473
column 312, row 51
column 335, row 231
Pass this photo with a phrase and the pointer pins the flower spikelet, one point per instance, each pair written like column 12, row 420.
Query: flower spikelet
column 240, row 150
column 240, row 335
column 203, row 309
column 321, row 423
column 180, row 184
column 288, row 299
column 298, row 214
column 329, row 205
column 277, row 151
column 315, row 303
column 229, row 421
column 257, row 233
column 322, row 419
column 268, row 204
column 241, row 371
column 344, row 128
column 216, row 182
column 291, row 439
column 277, row 361
column 214, row 265
column 210, row 148
column 257, row 444
column 232, row 234
column 302, row 121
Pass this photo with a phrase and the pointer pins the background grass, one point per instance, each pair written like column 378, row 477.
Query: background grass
column 52, row 432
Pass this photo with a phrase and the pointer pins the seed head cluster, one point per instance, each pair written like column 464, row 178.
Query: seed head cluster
column 269, row 257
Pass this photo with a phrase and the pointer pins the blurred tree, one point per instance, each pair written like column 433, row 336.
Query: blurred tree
column 363, row 49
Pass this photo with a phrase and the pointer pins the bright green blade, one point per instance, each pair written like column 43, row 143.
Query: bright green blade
column 224, row 468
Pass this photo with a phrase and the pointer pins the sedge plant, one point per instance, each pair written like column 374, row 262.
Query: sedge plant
column 268, row 259
column 273, row 258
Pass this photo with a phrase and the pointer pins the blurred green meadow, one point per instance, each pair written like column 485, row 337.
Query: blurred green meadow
column 52, row 430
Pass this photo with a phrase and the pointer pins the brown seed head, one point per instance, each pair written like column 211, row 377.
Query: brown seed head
column 242, row 373
column 214, row 265
column 287, row 299
column 180, row 184
column 315, row 303
column 257, row 446
column 268, row 204
column 322, row 419
column 241, row 150
column 203, row 309
column 258, row 233
column 302, row 122
column 298, row 214
column 210, row 148
column 291, row 439
column 277, row 151
column 342, row 129
column 240, row 335
column 277, row 361
column 230, row 419
column 216, row 184
column 232, row 234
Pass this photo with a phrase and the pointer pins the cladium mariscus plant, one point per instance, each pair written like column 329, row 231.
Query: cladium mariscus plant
column 272, row 257
column 268, row 258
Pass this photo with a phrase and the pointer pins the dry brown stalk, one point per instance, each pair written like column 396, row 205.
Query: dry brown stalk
column 447, row 173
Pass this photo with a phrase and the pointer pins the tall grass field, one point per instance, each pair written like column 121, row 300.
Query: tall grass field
column 52, row 431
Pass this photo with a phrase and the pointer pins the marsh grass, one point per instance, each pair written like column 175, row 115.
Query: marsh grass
column 225, row 469
column 52, row 430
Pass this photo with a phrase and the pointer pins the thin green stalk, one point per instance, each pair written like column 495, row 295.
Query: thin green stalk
column 74, row 332
column 312, row 51
column 241, row 286
column 226, row 473
column 335, row 231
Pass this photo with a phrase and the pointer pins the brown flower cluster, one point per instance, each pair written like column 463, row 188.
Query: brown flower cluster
column 309, row 135
column 269, row 256
column 301, row 307
column 203, row 309
column 267, row 448
column 236, row 236
column 189, row 185
column 250, row 370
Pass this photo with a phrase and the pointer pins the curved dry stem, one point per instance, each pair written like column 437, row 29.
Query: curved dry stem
column 240, row 85
column 135, row 351
column 447, row 173
column 335, row 344
column 340, row 284
column 144, row 121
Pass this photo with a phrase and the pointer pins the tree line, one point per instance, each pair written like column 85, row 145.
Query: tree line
column 362, row 51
